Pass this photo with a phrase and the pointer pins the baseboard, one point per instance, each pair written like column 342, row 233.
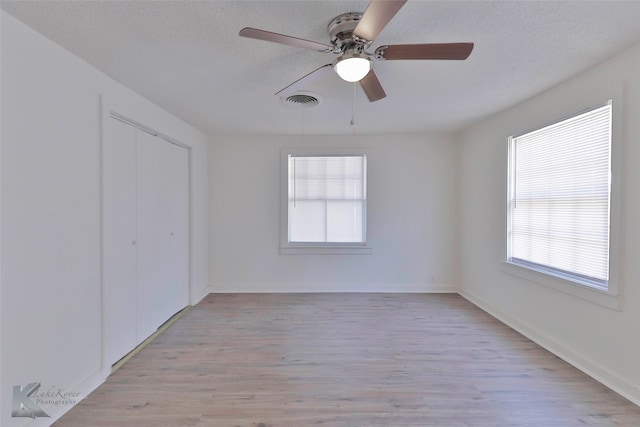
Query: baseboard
column 94, row 381
column 198, row 295
column 333, row 288
column 173, row 319
column 594, row 370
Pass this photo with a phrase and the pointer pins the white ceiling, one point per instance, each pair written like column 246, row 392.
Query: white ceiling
column 188, row 58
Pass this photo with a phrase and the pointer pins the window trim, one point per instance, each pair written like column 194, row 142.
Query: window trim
column 317, row 248
column 610, row 297
column 597, row 295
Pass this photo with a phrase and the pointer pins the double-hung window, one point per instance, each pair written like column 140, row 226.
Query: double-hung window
column 326, row 202
column 559, row 198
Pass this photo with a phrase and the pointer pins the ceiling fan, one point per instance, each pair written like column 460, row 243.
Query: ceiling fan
column 351, row 34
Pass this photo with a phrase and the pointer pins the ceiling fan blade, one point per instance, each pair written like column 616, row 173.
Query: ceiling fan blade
column 318, row 72
column 425, row 51
column 372, row 87
column 254, row 33
column 376, row 17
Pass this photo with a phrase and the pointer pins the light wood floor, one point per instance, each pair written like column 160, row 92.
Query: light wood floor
column 346, row 360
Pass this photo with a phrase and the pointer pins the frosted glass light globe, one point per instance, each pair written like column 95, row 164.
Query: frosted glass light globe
column 353, row 69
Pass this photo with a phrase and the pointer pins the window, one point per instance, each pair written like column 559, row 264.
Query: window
column 559, row 198
column 326, row 201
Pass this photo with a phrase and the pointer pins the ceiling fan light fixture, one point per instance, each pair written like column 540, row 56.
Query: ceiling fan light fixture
column 351, row 34
column 353, row 67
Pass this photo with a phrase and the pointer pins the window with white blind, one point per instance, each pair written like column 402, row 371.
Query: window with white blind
column 559, row 198
column 326, row 200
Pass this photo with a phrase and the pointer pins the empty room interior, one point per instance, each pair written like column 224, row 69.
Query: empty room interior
column 338, row 213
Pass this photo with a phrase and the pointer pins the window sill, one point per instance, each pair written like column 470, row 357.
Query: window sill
column 325, row 250
column 603, row 297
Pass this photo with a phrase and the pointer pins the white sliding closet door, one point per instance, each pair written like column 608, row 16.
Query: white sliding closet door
column 163, row 184
column 178, row 286
column 145, row 235
column 119, row 192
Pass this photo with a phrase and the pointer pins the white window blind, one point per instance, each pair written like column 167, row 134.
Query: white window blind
column 327, row 199
column 560, row 198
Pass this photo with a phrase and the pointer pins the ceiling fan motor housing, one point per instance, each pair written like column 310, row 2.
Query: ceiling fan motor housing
column 341, row 30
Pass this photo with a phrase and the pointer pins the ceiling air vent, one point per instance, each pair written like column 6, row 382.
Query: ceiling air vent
column 302, row 99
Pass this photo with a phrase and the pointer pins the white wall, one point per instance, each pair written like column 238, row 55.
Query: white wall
column 411, row 217
column 51, row 213
column 602, row 341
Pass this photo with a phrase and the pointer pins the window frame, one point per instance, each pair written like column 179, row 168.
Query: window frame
column 609, row 297
column 318, row 248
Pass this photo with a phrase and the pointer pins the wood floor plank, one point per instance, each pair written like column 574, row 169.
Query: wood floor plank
column 346, row 360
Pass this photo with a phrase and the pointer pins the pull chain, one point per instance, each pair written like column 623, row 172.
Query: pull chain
column 302, row 126
column 353, row 106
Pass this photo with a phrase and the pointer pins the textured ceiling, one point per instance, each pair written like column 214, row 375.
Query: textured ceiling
column 187, row 57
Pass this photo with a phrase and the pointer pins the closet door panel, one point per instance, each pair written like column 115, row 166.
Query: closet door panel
column 178, row 192
column 119, row 235
column 153, row 239
column 163, row 251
